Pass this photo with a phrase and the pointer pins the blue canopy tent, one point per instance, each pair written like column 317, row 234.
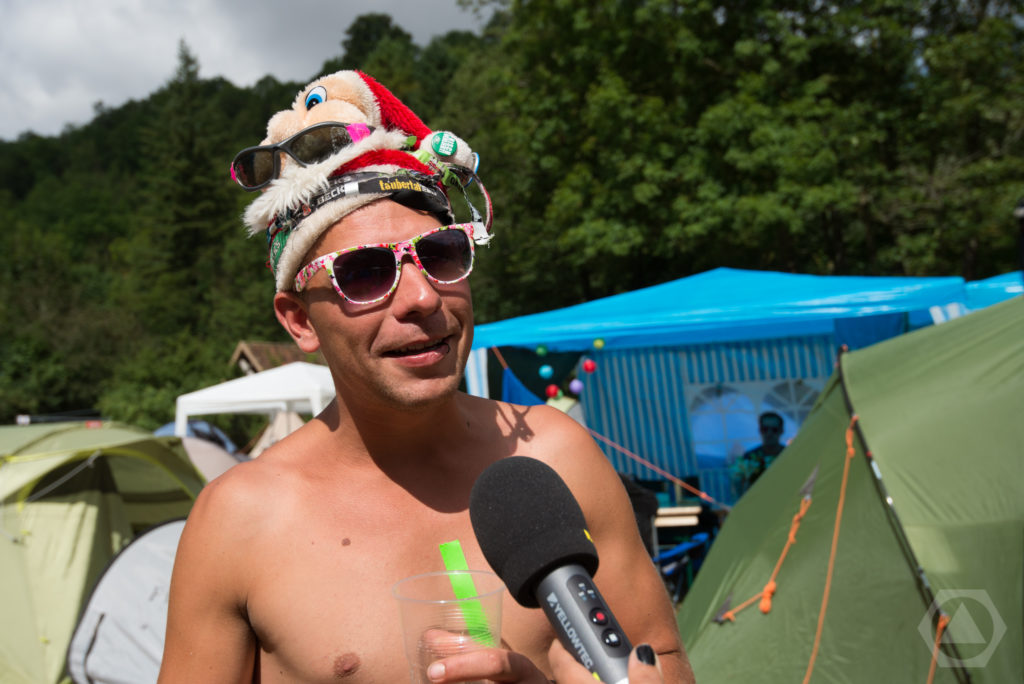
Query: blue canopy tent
column 982, row 293
column 684, row 367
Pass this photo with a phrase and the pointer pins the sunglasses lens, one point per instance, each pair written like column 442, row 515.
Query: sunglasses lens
column 446, row 255
column 318, row 144
column 366, row 274
column 254, row 167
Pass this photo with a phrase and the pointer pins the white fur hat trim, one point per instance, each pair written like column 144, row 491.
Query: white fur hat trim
column 296, row 187
column 297, row 184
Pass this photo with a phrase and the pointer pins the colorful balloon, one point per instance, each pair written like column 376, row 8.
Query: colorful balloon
column 542, row 350
column 552, row 391
column 598, row 343
column 589, row 366
column 576, row 386
column 546, row 371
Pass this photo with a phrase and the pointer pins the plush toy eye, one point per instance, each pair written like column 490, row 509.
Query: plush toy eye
column 315, row 97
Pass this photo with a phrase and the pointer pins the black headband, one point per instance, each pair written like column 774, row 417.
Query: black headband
column 409, row 188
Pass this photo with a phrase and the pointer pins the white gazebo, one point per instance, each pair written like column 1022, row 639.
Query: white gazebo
column 298, row 387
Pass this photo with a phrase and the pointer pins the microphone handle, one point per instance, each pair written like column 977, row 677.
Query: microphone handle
column 584, row 624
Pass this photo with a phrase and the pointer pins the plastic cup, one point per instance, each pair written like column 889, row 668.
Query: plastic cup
column 437, row 623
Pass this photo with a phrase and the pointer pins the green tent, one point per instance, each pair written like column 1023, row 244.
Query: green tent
column 71, row 496
column 930, row 525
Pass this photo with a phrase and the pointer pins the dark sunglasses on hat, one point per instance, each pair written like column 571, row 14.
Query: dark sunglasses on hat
column 254, row 167
column 369, row 273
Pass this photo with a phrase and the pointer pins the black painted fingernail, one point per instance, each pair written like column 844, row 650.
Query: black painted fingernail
column 645, row 654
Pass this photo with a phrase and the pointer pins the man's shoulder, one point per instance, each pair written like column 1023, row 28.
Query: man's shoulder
column 537, row 413
column 538, row 431
column 519, row 419
column 751, row 453
column 262, row 485
column 239, row 493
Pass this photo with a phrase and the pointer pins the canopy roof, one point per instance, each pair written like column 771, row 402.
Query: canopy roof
column 300, row 387
column 722, row 305
column 982, row 293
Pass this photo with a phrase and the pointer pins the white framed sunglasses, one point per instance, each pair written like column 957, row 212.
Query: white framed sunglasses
column 368, row 274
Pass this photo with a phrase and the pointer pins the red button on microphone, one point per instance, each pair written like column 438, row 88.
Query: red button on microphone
column 599, row 617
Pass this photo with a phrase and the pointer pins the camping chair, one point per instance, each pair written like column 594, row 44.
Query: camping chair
column 679, row 564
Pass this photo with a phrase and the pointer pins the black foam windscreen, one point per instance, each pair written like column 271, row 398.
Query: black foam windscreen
column 528, row 523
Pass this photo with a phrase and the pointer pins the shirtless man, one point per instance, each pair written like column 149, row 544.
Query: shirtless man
column 285, row 568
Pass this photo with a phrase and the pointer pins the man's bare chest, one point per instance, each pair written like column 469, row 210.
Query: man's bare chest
column 321, row 603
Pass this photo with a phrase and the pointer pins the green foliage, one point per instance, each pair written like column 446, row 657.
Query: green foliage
column 419, row 76
column 365, row 35
column 629, row 143
column 144, row 387
column 129, row 280
column 624, row 142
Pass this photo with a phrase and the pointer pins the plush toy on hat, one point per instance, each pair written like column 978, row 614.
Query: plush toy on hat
column 348, row 141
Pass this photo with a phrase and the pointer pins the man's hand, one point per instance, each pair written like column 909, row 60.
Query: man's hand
column 643, row 666
column 500, row 665
column 491, row 664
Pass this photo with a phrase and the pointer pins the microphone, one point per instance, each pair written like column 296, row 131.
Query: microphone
column 533, row 533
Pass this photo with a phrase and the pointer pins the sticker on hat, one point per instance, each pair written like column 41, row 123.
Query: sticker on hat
column 445, row 144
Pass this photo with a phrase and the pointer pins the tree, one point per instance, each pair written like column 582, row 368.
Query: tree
column 362, row 37
column 177, row 272
column 586, row 111
column 125, row 252
column 642, row 141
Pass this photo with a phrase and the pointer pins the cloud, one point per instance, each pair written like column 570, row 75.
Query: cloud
column 61, row 57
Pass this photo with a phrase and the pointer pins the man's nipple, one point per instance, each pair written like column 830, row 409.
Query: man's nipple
column 345, row 665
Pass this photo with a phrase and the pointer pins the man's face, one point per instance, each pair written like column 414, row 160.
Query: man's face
column 407, row 351
column 771, row 431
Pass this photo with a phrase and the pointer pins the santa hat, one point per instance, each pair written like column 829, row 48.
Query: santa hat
column 393, row 155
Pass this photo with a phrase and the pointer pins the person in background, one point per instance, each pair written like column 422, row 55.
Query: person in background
column 746, row 469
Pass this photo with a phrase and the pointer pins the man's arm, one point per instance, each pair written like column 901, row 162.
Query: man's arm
column 208, row 636
column 626, row 576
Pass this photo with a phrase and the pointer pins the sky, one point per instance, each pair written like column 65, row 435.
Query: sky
column 58, row 58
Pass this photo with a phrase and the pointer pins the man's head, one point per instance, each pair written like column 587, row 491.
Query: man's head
column 770, row 425
column 359, row 201
column 346, row 142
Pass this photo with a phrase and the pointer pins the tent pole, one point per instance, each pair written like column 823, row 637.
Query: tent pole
column 180, row 419
column 923, row 585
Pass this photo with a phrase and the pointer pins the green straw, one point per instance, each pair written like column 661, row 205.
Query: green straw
column 463, row 587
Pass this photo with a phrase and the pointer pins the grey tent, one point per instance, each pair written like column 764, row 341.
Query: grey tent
column 120, row 636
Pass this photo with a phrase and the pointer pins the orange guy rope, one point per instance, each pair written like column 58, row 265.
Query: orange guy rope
column 850, row 452
column 769, row 589
column 939, row 629
column 501, row 359
column 663, row 473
